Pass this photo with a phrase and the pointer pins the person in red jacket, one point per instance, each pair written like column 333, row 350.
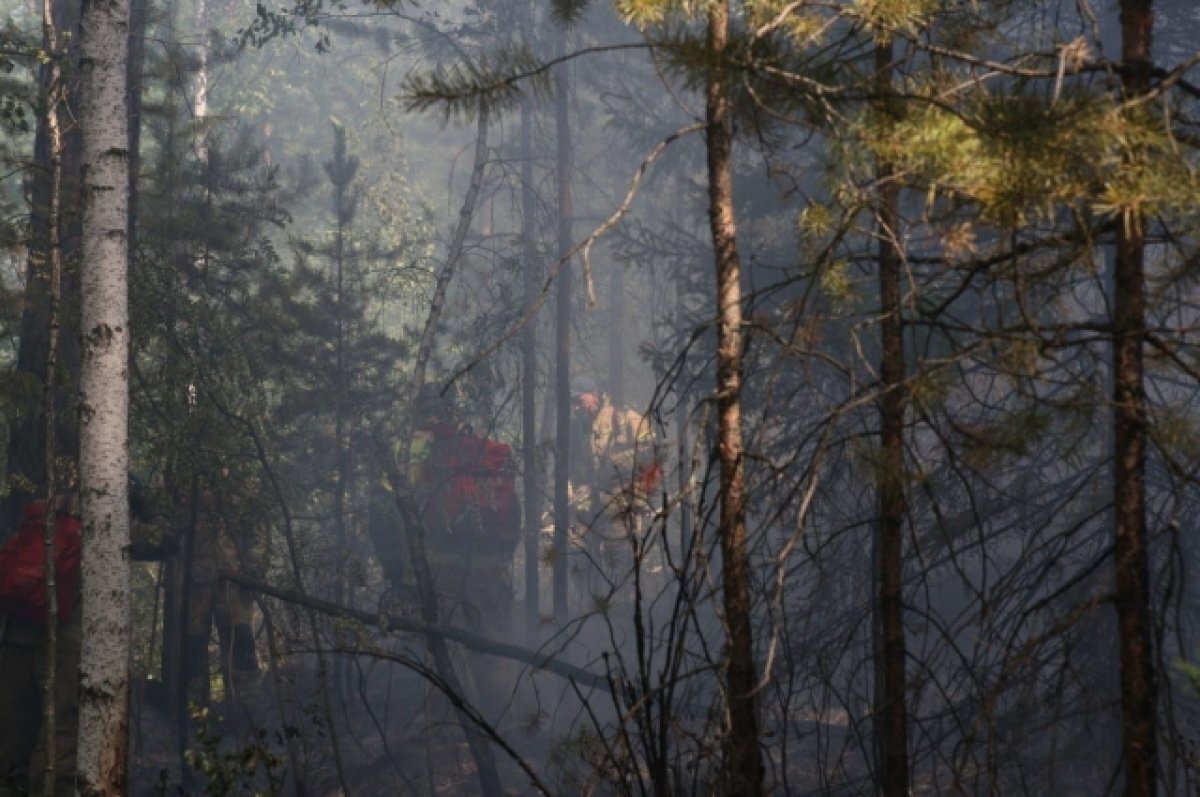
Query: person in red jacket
column 23, row 652
column 23, row 639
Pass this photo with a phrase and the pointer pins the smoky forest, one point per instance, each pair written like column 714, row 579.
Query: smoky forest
column 613, row 398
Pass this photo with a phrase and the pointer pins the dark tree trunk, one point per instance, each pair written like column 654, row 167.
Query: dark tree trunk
column 616, row 336
column 50, row 698
column 1138, row 692
column 891, row 709
column 682, row 408
column 562, row 348
column 743, row 760
column 341, row 171
column 133, row 70
column 533, row 272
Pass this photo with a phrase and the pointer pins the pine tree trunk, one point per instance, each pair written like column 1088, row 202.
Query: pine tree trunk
column 533, row 272
column 104, row 673
column 562, row 348
column 743, row 760
column 1138, row 692
column 891, row 710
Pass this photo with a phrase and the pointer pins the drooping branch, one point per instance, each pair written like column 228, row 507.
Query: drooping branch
column 459, row 704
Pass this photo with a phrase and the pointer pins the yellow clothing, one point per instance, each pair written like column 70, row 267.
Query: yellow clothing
column 620, row 445
column 622, row 440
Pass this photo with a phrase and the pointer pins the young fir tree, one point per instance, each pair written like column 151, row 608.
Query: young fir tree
column 337, row 348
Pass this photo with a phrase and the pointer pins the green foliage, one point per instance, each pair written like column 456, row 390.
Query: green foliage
column 646, row 13
column 801, row 25
column 458, row 89
column 269, row 25
column 19, row 51
column 19, row 54
column 1021, row 157
column 252, row 769
column 836, row 283
column 1192, row 673
column 568, row 12
column 886, row 18
column 1008, row 437
column 1175, row 432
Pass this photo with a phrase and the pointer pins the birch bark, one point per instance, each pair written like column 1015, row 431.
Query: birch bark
column 104, row 676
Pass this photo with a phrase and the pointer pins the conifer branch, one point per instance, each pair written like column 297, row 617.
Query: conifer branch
column 459, row 90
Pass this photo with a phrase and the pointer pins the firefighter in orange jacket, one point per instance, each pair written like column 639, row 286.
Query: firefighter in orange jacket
column 615, row 467
column 615, row 459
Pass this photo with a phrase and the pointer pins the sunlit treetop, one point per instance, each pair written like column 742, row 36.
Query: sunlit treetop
column 1021, row 155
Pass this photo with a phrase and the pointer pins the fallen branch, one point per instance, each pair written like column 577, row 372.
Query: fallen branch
column 536, row 660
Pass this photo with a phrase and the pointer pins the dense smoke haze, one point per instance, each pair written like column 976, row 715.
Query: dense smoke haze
column 635, row 398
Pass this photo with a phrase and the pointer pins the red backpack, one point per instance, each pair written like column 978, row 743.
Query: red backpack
column 23, row 572
column 471, row 482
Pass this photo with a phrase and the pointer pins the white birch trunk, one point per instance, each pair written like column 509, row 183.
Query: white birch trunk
column 200, row 81
column 104, row 686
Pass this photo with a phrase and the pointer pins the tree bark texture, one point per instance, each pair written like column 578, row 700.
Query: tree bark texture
column 743, row 759
column 1137, row 675
column 891, row 710
column 562, row 342
column 104, row 675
